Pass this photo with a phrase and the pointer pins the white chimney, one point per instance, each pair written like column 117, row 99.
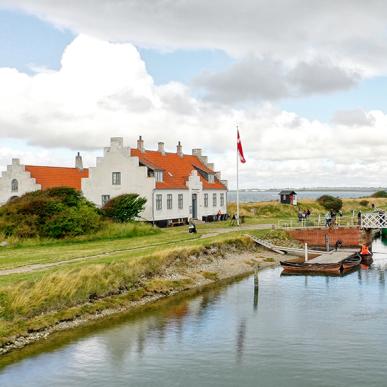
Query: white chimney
column 160, row 148
column 197, row 152
column 116, row 142
column 78, row 162
column 211, row 166
column 179, row 149
column 140, row 144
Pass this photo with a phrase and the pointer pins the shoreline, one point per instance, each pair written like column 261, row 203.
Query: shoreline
column 215, row 268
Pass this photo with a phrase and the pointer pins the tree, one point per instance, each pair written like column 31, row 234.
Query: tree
column 330, row 202
column 124, row 208
column 380, row 194
column 53, row 213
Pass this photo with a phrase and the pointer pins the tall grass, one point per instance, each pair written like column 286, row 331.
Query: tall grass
column 109, row 231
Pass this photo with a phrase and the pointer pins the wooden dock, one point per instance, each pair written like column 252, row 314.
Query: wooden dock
column 331, row 257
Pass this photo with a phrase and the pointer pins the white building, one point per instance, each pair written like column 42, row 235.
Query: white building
column 177, row 186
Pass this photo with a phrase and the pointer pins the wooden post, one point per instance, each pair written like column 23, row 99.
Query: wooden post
column 256, row 287
column 327, row 242
column 306, row 252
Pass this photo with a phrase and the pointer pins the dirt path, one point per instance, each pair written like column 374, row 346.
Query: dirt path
column 44, row 266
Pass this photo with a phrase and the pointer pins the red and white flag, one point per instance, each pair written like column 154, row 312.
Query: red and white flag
column 239, row 148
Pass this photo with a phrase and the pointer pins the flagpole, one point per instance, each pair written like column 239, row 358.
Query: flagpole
column 237, row 166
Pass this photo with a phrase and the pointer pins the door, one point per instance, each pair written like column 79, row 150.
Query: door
column 194, row 206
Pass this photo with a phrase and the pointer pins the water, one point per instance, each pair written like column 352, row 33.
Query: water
column 264, row 196
column 297, row 331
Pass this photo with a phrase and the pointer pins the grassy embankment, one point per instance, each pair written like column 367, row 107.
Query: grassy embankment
column 95, row 275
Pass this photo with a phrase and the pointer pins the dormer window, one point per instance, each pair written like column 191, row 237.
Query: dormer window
column 211, row 178
column 159, row 176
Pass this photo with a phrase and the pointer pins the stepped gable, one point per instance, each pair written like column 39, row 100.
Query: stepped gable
column 176, row 168
column 50, row 177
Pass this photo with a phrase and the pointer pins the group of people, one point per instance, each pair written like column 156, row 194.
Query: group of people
column 330, row 217
column 303, row 215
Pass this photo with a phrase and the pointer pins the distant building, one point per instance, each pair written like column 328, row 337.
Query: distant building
column 177, row 186
column 288, row 197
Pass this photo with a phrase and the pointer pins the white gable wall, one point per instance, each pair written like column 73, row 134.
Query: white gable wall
column 134, row 178
column 25, row 182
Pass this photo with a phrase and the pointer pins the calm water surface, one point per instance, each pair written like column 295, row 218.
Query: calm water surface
column 297, row 331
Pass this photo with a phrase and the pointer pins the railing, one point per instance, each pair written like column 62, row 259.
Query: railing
column 318, row 222
column 377, row 219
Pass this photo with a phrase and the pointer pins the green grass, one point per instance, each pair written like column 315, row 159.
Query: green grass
column 35, row 300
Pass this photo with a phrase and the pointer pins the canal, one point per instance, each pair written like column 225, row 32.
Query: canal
column 297, row 331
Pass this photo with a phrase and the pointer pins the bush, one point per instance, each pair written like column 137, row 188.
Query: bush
column 53, row 213
column 379, row 194
column 330, row 203
column 124, row 208
column 364, row 203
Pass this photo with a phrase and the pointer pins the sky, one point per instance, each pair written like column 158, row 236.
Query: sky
column 303, row 79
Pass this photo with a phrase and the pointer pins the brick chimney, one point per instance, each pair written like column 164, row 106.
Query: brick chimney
column 140, row 144
column 78, row 161
column 160, row 148
column 179, row 149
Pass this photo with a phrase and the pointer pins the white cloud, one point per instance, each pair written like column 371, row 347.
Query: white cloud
column 302, row 46
column 103, row 89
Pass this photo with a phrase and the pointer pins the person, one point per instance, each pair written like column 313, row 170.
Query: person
column 233, row 220
column 359, row 218
column 219, row 215
column 373, row 206
column 192, row 227
column 364, row 250
column 308, row 213
column 300, row 216
column 328, row 219
column 338, row 244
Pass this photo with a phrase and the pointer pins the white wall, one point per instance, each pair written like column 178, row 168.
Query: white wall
column 175, row 212
column 211, row 210
column 134, row 179
column 25, row 182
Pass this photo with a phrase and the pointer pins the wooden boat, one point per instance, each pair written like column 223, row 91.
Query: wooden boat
column 335, row 268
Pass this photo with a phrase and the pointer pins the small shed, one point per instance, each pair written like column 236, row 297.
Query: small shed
column 288, row 197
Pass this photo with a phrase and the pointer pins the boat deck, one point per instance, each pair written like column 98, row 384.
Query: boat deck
column 333, row 257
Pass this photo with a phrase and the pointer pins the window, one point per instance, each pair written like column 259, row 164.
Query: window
column 116, row 178
column 159, row 175
column 14, row 185
column 105, row 199
column 211, row 178
column 206, row 200
column 159, row 202
column 180, row 200
column 222, row 199
column 169, row 201
column 214, row 199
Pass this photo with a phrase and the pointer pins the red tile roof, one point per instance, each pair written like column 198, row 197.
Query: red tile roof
column 49, row 177
column 176, row 169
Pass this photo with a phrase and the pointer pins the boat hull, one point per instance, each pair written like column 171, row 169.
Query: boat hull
column 338, row 268
column 366, row 259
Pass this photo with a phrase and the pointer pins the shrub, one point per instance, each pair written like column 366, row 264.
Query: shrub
column 124, row 208
column 364, row 203
column 330, row 202
column 53, row 213
column 379, row 194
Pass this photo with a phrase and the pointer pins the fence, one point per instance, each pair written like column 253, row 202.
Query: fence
column 318, row 222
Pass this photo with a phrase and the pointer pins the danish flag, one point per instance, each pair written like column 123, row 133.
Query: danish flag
column 239, row 148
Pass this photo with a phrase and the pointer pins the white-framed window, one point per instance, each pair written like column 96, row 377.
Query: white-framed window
column 180, row 201
column 159, row 175
column 206, row 200
column 211, row 178
column 104, row 199
column 169, row 201
column 116, row 178
column 159, row 202
column 222, row 199
column 214, row 199
column 14, row 185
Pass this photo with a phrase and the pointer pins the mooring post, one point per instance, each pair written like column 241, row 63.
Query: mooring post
column 256, row 283
column 327, row 242
column 306, row 252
